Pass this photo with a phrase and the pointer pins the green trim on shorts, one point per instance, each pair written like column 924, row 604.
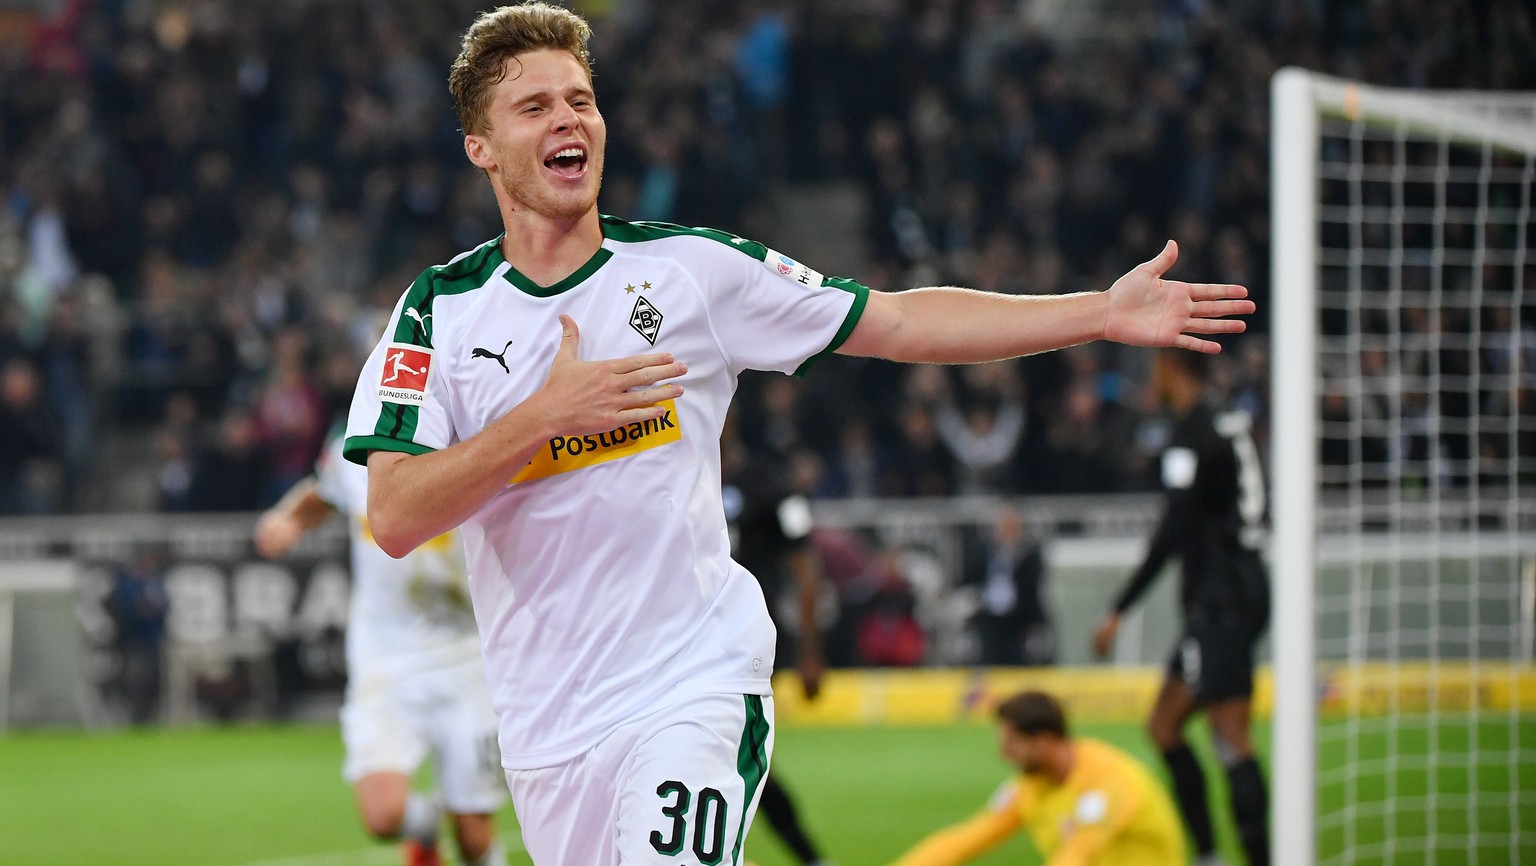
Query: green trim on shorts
column 751, row 762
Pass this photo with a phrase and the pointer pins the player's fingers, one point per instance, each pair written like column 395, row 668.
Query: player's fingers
column 570, row 336
column 651, row 375
column 1213, row 309
column 1164, row 260
column 1195, row 344
column 624, row 366
column 652, row 408
column 1216, row 291
column 1215, row 326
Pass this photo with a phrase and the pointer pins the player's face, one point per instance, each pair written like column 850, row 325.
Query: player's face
column 1018, row 749
column 546, row 138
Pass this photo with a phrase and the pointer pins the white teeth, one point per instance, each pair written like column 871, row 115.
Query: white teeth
column 569, row 151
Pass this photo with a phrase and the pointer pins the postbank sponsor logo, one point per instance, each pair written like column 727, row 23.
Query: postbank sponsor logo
column 565, row 453
column 407, row 370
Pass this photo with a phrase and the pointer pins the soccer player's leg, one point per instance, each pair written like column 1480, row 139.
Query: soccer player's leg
column 690, row 791
column 779, row 808
column 1175, row 704
column 1227, row 701
column 383, row 749
column 468, row 763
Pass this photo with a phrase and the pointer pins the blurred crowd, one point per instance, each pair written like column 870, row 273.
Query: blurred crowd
column 207, row 208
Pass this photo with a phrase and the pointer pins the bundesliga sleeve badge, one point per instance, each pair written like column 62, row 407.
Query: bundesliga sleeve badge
column 407, row 369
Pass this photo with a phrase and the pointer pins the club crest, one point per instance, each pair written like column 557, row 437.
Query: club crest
column 646, row 320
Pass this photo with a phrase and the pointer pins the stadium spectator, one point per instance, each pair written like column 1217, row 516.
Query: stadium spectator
column 32, row 474
column 1007, row 568
column 139, row 605
column 128, row 132
column 1082, row 801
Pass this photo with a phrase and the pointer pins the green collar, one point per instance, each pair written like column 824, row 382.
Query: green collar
column 528, row 286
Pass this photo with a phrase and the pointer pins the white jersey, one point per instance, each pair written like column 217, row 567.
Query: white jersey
column 409, row 614
column 601, row 575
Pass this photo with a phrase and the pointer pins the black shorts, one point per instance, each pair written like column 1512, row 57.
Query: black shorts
column 1215, row 661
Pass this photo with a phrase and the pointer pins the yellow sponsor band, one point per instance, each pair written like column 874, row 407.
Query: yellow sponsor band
column 565, row 453
column 1125, row 695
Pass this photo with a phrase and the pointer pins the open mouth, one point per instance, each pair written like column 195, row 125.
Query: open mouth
column 568, row 162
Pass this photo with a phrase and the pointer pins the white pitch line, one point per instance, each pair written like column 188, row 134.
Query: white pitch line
column 375, row 855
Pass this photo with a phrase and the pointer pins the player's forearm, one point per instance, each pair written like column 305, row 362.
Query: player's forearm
column 962, row 326
column 962, row 842
column 414, row 498
column 303, row 504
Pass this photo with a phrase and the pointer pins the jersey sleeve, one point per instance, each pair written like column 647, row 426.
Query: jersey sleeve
column 399, row 404
column 330, row 484
column 771, row 312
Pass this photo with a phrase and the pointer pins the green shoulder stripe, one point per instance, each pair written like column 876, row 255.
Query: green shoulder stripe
column 639, row 232
column 464, row 274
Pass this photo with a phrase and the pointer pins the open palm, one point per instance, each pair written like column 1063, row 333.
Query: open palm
column 1147, row 310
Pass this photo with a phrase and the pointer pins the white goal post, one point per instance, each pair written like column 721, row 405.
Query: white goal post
column 1401, row 226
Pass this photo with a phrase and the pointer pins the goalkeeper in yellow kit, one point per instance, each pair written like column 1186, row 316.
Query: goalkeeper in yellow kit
column 1083, row 801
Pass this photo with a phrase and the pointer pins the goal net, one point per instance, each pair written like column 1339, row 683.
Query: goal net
column 1404, row 460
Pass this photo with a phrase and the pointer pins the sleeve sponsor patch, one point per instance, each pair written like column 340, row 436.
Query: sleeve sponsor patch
column 1179, row 465
column 791, row 270
column 1092, row 807
column 407, row 371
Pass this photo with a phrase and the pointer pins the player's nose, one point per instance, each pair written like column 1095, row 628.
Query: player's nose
column 563, row 118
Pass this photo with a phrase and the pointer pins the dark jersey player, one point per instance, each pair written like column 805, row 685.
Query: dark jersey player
column 1213, row 522
column 771, row 537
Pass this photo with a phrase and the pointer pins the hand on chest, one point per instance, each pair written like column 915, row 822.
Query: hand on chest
column 505, row 343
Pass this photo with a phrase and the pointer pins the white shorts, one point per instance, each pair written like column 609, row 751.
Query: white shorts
column 390, row 724
column 677, row 787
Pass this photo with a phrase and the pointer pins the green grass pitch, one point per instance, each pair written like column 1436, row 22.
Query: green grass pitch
column 272, row 795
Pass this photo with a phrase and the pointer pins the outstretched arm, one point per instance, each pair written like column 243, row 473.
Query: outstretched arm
column 962, row 326
column 963, row 842
column 413, row 498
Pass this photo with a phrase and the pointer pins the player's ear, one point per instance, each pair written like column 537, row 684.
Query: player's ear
column 479, row 152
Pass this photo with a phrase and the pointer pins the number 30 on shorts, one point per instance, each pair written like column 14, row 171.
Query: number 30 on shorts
column 708, row 822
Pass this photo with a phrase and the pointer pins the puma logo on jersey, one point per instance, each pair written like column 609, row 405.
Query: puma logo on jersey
column 421, row 321
column 500, row 359
column 565, row 453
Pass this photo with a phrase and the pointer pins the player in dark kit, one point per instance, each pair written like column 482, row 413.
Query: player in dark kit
column 770, row 536
column 1213, row 521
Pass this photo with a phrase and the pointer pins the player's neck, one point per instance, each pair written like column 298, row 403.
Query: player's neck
column 546, row 250
column 1060, row 763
